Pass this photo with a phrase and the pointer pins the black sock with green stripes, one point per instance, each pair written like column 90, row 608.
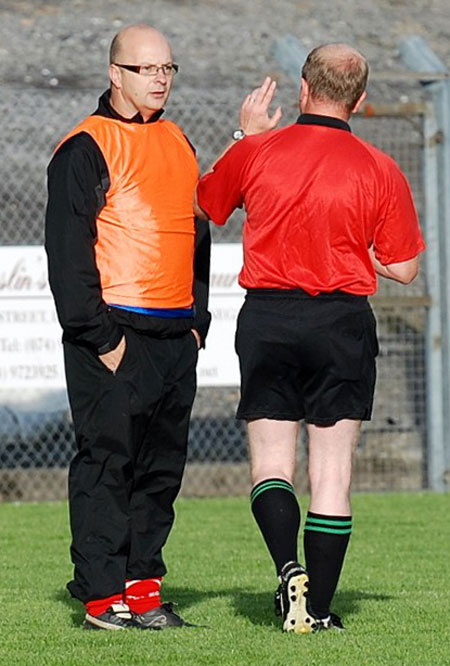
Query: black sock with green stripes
column 325, row 542
column 277, row 513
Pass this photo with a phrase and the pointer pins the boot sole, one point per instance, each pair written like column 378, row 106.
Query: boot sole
column 298, row 620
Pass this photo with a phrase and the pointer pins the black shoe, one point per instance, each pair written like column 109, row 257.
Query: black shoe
column 291, row 599
column 117, row 616
column 333, row 621
column 161, row 617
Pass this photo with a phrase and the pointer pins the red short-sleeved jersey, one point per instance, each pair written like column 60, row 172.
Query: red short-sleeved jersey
column 317, row 198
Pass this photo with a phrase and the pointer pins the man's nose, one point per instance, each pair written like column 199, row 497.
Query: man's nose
column 161, row 75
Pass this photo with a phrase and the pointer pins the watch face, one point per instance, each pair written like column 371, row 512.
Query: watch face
column 238, row 134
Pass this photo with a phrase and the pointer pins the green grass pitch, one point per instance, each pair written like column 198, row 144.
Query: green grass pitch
column 394, row 594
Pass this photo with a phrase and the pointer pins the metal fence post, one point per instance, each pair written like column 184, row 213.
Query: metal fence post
column 417, row 55
column 434, row 344
column 441, row 101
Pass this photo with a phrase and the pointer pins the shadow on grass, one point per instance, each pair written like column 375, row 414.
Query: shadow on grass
column 258, row 607
column 348, row 602
column 76, row 607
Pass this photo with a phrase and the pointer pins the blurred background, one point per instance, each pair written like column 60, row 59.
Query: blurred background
column 53, row 67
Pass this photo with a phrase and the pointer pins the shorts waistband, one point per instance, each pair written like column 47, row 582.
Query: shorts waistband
column 302, row 294
column 169, row 313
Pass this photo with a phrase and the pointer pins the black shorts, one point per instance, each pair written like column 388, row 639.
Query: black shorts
column 306, row 357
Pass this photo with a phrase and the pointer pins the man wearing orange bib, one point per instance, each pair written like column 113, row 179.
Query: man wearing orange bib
column 129, row 269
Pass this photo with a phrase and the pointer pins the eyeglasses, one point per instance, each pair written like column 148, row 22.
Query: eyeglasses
column 151, row 70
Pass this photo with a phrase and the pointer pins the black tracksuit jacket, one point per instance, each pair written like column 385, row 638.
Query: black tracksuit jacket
column 78, row 183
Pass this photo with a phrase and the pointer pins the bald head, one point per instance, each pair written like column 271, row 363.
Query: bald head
column 134, row 89
column 129, row 40
column 336, row 74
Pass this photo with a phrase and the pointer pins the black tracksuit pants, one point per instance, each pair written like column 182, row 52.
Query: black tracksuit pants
column 131, row 431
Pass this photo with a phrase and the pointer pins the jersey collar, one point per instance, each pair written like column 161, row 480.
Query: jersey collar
column 325, row 121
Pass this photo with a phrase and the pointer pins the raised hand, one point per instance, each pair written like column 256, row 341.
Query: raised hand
column 254, row 114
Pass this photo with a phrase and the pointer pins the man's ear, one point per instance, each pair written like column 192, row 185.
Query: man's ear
column 359, row 102
column 115, row 76
column 304, row 92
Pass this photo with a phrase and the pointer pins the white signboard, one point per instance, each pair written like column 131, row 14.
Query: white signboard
column 30, row 337
column 218, row 364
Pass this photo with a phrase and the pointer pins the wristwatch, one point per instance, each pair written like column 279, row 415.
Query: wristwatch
column 238, row 134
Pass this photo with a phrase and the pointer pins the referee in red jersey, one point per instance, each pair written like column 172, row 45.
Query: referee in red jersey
column 326, row 212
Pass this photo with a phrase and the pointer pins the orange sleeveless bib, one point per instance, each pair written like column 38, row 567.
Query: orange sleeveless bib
column 145, row 246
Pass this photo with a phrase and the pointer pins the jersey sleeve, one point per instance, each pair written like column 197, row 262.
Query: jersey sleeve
column 219, row 191
column 397, row 235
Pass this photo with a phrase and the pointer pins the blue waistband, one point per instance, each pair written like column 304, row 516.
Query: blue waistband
column 170, row 313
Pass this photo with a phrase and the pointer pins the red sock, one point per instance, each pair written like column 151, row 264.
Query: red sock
column 143, row 595
column 98, row 606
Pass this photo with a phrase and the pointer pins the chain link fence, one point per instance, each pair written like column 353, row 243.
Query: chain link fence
column 36, row 445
